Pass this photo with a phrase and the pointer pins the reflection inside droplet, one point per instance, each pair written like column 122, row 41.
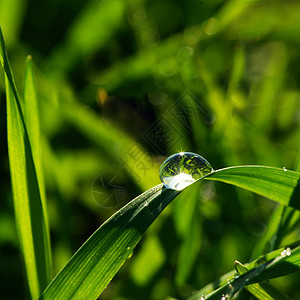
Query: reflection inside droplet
column 182, row 169
column 179, row 182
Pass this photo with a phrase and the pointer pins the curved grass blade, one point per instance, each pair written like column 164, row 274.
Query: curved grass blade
column 101, row 256
column 97, row 261
column 282, row 221
column 29, row 210
column 263, row 290
column 224, row 279
column 280, row 185
column 270, row 237
column 277, row 265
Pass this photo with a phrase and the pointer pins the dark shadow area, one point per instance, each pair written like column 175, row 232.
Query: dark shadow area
column 295, row 198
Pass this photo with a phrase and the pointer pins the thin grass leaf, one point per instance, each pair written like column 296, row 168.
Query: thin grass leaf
column 297, row 163
column 280, row 265
column 93, row 266
column 224, row 279
column 283, row 220
column 263, row 290
column 270, row 235
column 31, row 115
column 29, row 210
column 280, row 185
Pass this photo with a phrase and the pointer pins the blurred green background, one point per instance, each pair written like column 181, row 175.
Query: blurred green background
column 124, row 84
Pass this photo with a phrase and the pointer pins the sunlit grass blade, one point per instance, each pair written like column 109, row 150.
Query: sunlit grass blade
column 297, row 163
column 270, row 234
column 279, row 185
column 31, row 115
column 98, row 260
column 282, row 265
column 282, row 221
column 29, row 211
column 277, row 265
column 263, row 290
column 224, row 279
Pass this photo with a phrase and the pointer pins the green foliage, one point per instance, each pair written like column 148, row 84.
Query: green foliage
column 26, row 177
column 279, row 185
column 97, row 261
column 117, row 87
column 260, row 290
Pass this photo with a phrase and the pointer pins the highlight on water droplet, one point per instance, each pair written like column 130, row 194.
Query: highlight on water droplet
column 284, row 169
column 229, row 284
column 182, row 169
column 286, row 252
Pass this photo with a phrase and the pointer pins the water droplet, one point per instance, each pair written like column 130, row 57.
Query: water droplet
column 202, row 297
column 229, row 284
column 223, row 297
column 129, row 252
column 286, row 252
column 182, row 169
column 284, row 169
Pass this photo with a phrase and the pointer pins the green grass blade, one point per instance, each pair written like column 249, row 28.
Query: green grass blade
column 31, row 114
column 277, row 266
column 229, row 276
column 282, row 221
column 269, row 237
column 101, row 256
column 263, row 290
column 297, row 163
column 281, row 266
column 29, row 212
column 97, row 261
column 282, row 186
